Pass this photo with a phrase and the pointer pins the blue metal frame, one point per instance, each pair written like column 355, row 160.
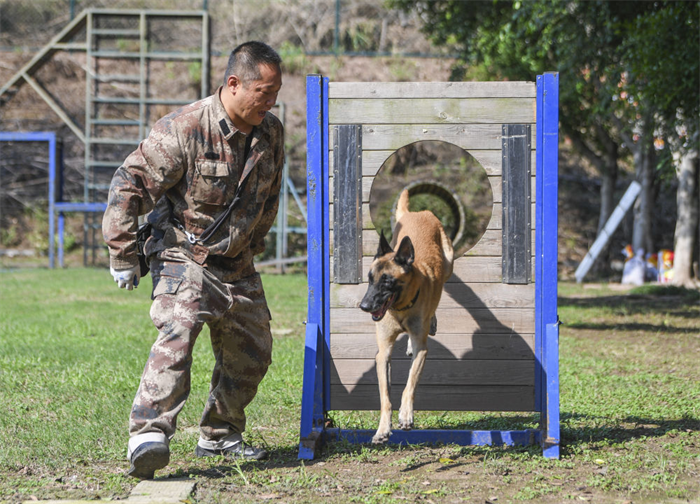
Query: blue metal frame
column 56, row 207
column 546, row 250
column 316, row 387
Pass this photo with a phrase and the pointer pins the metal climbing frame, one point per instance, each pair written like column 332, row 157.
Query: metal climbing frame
column 121, row 98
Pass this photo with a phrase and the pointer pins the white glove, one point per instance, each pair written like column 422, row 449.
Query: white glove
column 127, row 278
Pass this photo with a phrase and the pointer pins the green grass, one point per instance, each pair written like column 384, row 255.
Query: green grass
column 74, row 345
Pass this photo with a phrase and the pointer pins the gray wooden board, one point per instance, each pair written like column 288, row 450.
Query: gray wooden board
column 494, row 181
column 438, row 398
column 372, row 160
column 465, row 346
column 490, row 243
column 380, row 90
column 450, row 321
column 466, row 269
column 472, row 295
column 347, row 221
column 438, row 372
column 495, row 221
column 516, row 204
column 432, row 111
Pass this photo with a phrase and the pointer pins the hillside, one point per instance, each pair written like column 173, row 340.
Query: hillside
column 24, row 223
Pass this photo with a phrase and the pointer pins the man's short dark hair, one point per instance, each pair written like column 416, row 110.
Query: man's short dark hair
column 245, row 60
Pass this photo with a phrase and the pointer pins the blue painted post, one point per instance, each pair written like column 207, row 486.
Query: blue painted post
column 547, row 321
column 312, row 407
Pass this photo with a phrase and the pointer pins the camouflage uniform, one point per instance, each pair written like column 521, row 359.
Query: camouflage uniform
column 185, row 174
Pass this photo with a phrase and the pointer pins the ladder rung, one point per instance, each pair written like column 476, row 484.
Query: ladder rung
column 104, row 164
column 98, row 99
column 136, row 101
column 71, row 46
column 114, row 141
column 150, row 55
column 115, row 122
column 107, row 32
column 117, row 78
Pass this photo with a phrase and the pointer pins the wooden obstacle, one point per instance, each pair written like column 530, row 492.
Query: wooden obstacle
column 496, row 347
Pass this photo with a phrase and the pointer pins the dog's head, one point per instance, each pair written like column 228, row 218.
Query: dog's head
column 390, row 272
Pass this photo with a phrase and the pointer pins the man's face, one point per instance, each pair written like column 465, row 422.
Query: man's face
column 250, row 101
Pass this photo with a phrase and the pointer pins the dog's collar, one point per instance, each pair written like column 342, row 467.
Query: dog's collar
column 410, row 305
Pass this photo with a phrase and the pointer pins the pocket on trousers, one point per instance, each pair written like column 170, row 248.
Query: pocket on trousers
column 165, row 285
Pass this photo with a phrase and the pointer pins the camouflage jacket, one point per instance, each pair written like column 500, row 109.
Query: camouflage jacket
column 185, row 174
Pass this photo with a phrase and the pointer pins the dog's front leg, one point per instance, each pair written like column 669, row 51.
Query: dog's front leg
column 383, row 366
column 420, row 350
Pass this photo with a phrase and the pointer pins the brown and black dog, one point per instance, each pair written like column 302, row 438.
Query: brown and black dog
column 404, row 290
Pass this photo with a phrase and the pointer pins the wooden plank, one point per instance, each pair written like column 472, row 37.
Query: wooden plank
column 496, row 183
column 438, row 398
column 450, row 321
column 468, row 137
column 516, row 204
column 381, row 90
column 488, row 245
column 347, row 221
column 494, row 223
column 473, row 295
column 372, row 160
column 465, row 346
column 425, row 111
column 466, row 269
column 437, row 372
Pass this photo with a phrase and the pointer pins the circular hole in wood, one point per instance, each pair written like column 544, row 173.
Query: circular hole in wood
column 440, row 177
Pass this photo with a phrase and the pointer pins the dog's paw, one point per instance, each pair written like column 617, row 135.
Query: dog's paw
column 408, row 425
column 381, row 437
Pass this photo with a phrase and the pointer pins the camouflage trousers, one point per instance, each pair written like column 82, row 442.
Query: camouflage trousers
column 185, row 297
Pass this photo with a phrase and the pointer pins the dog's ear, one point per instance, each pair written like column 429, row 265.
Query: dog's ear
column 384, row 247
column 405, row 254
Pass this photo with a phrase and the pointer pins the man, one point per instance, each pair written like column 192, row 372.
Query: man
column 188, row 171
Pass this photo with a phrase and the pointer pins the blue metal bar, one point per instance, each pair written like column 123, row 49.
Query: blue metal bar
column 549, row 145
column 458, row 437
column 61, row 229
column 312, row 401
column 50, row 137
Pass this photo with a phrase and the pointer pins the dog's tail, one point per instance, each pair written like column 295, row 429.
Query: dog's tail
column 402, row 205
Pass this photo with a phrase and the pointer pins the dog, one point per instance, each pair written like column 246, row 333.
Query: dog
column 405, row 285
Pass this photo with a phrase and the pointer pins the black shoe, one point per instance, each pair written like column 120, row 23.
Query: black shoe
column 147, row 458
column 239, row 450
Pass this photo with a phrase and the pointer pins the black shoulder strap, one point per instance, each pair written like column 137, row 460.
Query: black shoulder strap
column 214, row 226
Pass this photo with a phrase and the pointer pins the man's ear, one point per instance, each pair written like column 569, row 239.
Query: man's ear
column 233, row 83
column 405, row 254
column 384, row 247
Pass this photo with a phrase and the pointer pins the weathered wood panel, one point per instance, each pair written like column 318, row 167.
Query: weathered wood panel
column 437, row 372
column 464, row 346
column 494, row 223
column 432, row 111
column 468, row 137
column 347, row 188
column 372, row 161
column 481, row 295
column 455, row 321
column 466, row 269
column 488, row 245
column 438, row 398
column 495, row 181
column 436, row 89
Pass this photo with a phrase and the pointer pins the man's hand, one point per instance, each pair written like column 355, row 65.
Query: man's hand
column 127, row 278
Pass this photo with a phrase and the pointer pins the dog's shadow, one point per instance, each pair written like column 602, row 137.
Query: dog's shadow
column 495, row 371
